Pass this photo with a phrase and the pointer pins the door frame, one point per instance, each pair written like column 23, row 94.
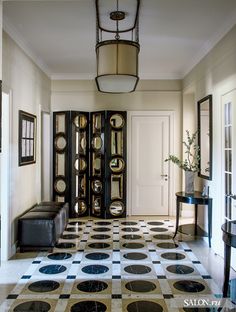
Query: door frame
column 5, row 176
column 171, row 116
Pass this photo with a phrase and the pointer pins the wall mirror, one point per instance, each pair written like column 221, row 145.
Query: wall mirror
column 116, row 208
column 116, row 143
column 80, row 121
column 60, row 143
column 205, row 137
column 97, row 186
column 117, row 164
column 97, row 142
column 83, row 186
column 83, row 143
column 116, row 186
column 117, row 121
column 80, row 207
column 96, row 205
column 96, row 164
column 97, row 122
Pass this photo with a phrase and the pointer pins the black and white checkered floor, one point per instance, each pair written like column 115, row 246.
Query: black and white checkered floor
column 115, row 265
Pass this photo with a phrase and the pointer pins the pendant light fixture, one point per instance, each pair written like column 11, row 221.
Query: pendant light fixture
column 117, row 46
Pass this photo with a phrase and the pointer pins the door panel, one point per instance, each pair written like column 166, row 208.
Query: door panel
column 150, row 147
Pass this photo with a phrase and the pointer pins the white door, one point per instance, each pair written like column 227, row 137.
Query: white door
column 149, row 172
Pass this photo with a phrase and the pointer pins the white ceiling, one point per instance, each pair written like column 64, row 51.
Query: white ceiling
column 174, row 34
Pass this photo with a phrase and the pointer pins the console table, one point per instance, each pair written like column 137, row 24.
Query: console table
column 196, row 199
column 229, row 238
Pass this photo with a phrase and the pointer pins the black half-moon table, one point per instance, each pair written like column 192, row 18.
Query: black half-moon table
column 196, row 199
column 229, row 238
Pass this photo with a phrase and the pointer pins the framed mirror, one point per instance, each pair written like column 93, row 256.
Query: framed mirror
column 205, row 137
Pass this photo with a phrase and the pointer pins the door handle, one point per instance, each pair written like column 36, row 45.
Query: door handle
column 164, row 175
column 233, row 196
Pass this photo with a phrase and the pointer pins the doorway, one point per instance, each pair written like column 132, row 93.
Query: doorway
column 149, row 176
column 5, row 179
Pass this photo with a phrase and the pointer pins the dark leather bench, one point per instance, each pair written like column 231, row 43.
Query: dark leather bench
column 41, row 226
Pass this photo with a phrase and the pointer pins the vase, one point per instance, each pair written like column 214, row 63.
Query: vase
column 189, row 182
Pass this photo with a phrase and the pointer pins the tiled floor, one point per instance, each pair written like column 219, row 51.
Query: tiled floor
column 114, row 265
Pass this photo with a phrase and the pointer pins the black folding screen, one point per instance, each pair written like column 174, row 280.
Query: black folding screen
column 90, row 162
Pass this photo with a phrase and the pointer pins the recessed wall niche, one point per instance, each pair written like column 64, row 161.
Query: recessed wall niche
column 90, row 162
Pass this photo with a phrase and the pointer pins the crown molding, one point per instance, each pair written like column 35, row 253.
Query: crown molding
column 24, row 45
column 209, row 45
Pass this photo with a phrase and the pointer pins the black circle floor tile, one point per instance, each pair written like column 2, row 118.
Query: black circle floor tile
column 99, row 245
column 144, row 306
column 88, row 306
column 189, row 286
column 155, row 223
column 43, row 286
column 92, row 286
column 140, row 286
column 180, row 269
column 71, row 229
column 69, row 236
column 198, row 309
column 133, row 245
column 30, row 306
column 59, row 256
column 158, row 229
column 131, row 236
column 95, row 269
column 76, row 223
column 130, row 229
column 162, row 236
column 64, row 245
column 103, row 223
column 52, row 269
column 167, row 245
column 135, row 256
column 101, row 229
column 97, row 256
column 173, row 256
column 137, row 269
column 100, row 236
column 129, row 223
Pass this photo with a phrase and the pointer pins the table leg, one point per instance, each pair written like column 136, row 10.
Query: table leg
column 177, row 217
column 227, row 255
column 209, row 221
column 195, row 223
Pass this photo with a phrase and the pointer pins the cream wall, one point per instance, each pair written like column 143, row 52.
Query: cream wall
column 30, row 91
column 216, row 75
column 151, row 95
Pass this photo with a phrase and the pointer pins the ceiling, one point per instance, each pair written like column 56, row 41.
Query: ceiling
column 174, row 34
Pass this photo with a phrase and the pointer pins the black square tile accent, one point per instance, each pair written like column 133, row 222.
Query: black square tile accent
column 116, row 296
column 80, row 250
column 64, row 296
column 170, row 226
column 86, row 233
column 188, row 250
column 116, row 276
column 152, row 250
column 36, row 262
column 13, row 296
column 83, row 240
column 145, row 233
column 115, row 232
column 88, row 225
column 115, row 225
column 143, row 225
column 168, row 296
column 206, row 277
column 76, row 262
column 196, row 262
column 161, row 276
column 166, row 220
column 116, row 262
column 141, row 220
column 116, row 241
column 26, row 277
column 156, row 262
column 148, row 241
column 116, row 250
column 71, row 277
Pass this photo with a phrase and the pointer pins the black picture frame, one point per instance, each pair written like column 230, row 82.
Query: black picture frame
column 204, row 117
column 27, row 138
